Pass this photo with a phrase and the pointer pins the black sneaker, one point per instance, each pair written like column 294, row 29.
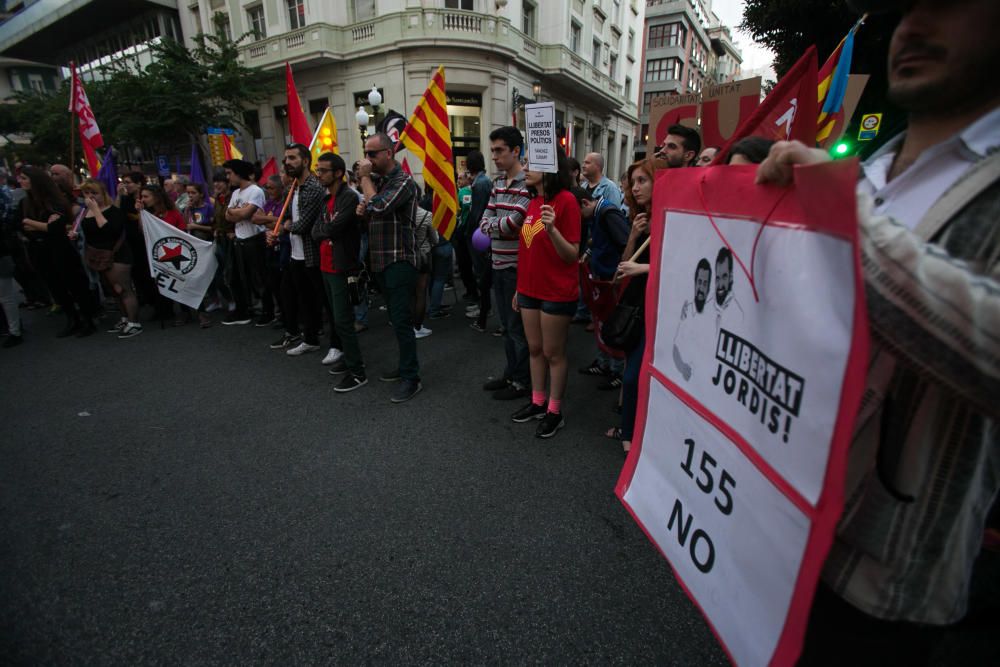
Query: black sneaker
column 265, row 321
column 615, row 382
column 510, row 392
column 350, row 383
column 496, row 384
column 528, row 412
column 286, row 340
column 406, row 390
column 389, row 376
column 11, row 341
column 549, row 425
column 339, row 367
column 594, row 368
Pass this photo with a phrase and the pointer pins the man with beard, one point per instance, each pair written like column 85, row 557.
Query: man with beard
column 690, row 330
column 680, row 148
column 727, row 308
column 924, row 465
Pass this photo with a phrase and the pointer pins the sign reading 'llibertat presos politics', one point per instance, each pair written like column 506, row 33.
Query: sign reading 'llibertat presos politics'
column 751, row 379
column 181, row 265
column 543, row 145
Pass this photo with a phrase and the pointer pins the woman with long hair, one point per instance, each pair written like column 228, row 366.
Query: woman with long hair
column 547, row 290
column 154, row 199
column 45, row 216
column 107, row 252
column 639, row 196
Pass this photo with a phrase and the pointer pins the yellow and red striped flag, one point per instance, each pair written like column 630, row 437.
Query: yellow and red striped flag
column 229, row 150
column 428, row 136
column 832, row 85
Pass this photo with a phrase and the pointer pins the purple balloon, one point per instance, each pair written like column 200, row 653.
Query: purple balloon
column 480, row 241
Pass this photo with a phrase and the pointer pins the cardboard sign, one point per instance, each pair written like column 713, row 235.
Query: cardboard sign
column 543, row 145
column 750, row 382
column 719, row 110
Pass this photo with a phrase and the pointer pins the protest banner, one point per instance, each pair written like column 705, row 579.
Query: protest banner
column 543, row 145
column 670, row 110
column 724, row 106
column 181, row 265
column 752, row 375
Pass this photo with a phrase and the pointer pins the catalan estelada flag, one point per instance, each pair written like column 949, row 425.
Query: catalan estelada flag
column 832, row 84
column 325, row 138
column 428, row 136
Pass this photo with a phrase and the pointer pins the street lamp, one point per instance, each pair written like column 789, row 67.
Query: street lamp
column 536, row 88
column 374, row 97
column 362, row 117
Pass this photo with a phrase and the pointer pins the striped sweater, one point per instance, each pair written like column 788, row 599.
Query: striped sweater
column 503, row 219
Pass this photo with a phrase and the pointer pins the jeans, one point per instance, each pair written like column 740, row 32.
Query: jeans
column 515, row 344
column 398, row 282
column 249, row 277
column 299, row 302
column 361, row 310
column 343, row 321
column 9, row 299
column 630, row 388
column 484, row 278
column 463, row 256
column 441, row 261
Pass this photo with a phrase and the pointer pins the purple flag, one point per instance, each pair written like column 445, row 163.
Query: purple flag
column 197, row 175
column 109, row 173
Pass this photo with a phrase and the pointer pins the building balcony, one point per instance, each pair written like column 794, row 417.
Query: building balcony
column 556, row 65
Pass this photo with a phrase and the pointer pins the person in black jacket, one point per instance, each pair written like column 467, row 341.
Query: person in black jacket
column 338, row 233
column 45, row 216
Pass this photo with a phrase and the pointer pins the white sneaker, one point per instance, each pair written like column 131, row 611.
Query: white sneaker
column 301, row 348
column 472, row 313
column 332, row 357
column 212, row 307
column 422, row 332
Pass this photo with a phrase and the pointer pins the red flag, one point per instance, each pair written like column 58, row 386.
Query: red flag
column 298, row 126
column 93, row 162
column 406, row 168
column 229, row 150
column 788, row 112
column 269, row 169
column 601, row 297
column 80, row 105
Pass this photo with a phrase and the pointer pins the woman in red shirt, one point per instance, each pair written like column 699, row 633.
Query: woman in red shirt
column 547, row 290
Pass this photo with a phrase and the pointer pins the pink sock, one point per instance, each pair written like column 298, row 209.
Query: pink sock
column 555, row 406
column 538, row 397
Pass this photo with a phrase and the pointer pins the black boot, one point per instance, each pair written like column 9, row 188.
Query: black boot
column 72, row 326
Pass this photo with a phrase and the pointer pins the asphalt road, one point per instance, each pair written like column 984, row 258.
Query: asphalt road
column 192, row 497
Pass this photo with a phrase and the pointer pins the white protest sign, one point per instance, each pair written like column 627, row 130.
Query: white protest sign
column 756, row 350
column 543, row 145
column 181, row 265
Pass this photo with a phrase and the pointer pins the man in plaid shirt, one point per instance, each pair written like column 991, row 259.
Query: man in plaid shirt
column 390, row 207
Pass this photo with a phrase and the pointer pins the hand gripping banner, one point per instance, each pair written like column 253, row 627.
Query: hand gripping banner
column 182, row 265
column 751, row 378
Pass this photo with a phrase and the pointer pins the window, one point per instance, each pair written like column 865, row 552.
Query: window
column 613, row 66
column 296, row 14
column 255, row 19
column 628, row 88
column 467, row 5
column 668, row 34
column 222, row 27
column 574, row 37
column 663, row 69
column 631, row 44
column 36, row 83
column 364, row 10
column 596, row 62
column 528, row 19
column 648, row 98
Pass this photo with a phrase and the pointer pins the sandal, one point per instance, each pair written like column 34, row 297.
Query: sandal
column 613, row 433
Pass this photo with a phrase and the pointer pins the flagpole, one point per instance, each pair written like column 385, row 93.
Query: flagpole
column 277, row 224
column 72, row 116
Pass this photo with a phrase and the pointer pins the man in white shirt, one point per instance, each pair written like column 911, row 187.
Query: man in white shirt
column 248, row 246
column 924, row 464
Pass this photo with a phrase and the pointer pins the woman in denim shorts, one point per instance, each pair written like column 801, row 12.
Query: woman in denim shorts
column 547, row 291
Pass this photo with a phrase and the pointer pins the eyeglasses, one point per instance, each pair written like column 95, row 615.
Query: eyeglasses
column 374, row 153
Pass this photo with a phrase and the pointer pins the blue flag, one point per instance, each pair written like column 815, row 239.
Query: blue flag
column 838, row 83
column 109, row 173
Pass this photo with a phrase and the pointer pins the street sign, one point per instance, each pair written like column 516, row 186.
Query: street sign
column 870, row 124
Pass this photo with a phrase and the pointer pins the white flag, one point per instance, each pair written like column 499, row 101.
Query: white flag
column 182, row 266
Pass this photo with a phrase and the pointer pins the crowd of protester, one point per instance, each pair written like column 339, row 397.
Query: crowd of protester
column 306, row 251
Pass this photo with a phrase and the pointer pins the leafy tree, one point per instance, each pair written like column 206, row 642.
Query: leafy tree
column 160, row 108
